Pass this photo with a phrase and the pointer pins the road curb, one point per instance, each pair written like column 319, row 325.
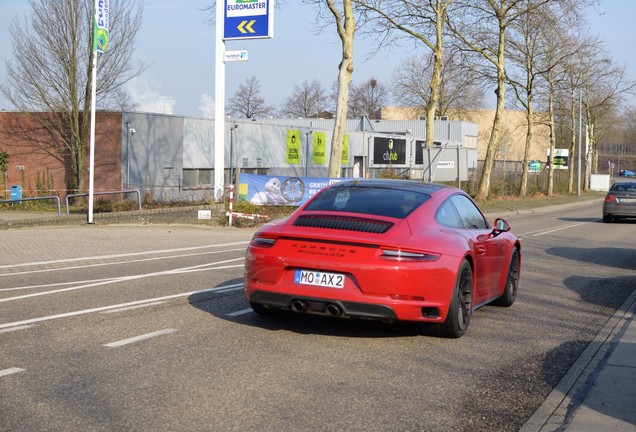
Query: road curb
column 558, row 409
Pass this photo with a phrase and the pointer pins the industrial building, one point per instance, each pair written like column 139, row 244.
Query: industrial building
column 172, row 157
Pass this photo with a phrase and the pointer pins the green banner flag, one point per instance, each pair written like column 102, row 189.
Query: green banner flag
column 100, row 28
column 345, row 150
column 293, row 147
column 320, row 148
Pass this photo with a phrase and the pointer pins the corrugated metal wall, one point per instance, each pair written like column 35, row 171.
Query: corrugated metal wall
column 172, row 157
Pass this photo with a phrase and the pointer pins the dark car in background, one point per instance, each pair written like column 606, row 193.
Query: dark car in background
column 620, row 202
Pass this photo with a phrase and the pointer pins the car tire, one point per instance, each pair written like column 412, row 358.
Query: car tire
column 460, row 307
column 607, row 218
column 512, row 281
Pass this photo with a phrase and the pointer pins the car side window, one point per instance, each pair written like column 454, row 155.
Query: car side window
column 447, row 215
column 469, row 213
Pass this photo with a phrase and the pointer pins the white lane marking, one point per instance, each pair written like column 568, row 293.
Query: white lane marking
column 120, row 255
column 28, row 287
column 224, row 290
column 99, row 282
column 240, row 312
column 124, row 309
column 551, row 230
column 117, row 262
column 105, row 308
column 139, row 338
column 11, row 371
column 12, row 329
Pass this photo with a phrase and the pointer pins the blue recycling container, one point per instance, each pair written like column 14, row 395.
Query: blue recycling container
column 16, row 193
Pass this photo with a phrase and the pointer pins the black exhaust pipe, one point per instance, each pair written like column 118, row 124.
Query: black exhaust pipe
column 299, row 306
column 333, row 310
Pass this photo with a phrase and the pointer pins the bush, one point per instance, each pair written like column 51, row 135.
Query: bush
column 103, row 205
column 245, row 207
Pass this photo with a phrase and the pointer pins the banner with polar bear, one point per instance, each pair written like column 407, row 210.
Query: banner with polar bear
column 280, row 190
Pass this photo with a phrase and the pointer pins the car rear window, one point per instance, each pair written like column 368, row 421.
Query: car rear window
column 396, row 203
column 622, row 187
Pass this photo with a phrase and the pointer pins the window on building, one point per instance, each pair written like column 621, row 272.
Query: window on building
column 197, row 177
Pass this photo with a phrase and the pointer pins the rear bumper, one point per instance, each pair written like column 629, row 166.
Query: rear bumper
column 619, row 210
column 390, row 311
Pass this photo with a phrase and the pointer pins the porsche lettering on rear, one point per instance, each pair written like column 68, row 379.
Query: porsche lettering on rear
column 330, row 251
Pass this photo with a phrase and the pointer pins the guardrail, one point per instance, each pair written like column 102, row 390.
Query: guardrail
column 55, row 197
column 104, row 193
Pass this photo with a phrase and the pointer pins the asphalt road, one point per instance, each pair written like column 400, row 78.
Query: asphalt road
column 122, row 328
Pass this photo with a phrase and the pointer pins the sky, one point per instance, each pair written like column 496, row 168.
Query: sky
column 178, row 41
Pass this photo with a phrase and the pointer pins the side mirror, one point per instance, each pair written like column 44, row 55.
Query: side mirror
column 501, row 226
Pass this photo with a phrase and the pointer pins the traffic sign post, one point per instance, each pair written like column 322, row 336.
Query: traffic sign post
column 248, row 19
column 235, row 19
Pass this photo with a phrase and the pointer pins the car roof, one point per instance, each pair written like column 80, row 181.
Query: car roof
column 410, row 185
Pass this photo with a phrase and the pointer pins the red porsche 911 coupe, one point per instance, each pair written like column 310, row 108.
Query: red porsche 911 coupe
column 387, row 250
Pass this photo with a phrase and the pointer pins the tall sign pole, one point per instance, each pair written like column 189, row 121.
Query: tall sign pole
column 100, row 41
column 219, row 102
column 235, row 19
column 578, row 165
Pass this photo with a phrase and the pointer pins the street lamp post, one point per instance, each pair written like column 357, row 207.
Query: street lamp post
column 232, row 129
column 309, row 132
column 129, row 132
column 578, row 165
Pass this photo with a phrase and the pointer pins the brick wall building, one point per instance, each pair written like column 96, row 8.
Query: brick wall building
column 40, row 166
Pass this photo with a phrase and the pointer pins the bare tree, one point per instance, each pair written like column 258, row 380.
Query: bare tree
column 595, row 84
column 569, row 98
column 346, row 27
column 524, row 48
column 541, row 44
column 425, row 21
column 628, row 141
column 367, row 99
column 461, row 89
column 482, row 26
column 247, row 101
column 307, row 100
column 605, row 85
column 529, row 51
column 49, row 75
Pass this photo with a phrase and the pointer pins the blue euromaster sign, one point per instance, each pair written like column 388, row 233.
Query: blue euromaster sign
column 248, row 19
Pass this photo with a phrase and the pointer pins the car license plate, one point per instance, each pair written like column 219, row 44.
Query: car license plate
column 627, row 200
column 329, row 280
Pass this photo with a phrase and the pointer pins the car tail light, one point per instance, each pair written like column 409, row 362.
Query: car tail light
column 610, row 199
column 263, row 241
column 406, row 297
column 402, row 255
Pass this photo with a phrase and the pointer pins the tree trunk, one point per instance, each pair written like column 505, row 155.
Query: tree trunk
column 436, row 78
column 523, row 191
column 572, row 144
column 552, row 140
column 484, row 184
column 345, row 72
